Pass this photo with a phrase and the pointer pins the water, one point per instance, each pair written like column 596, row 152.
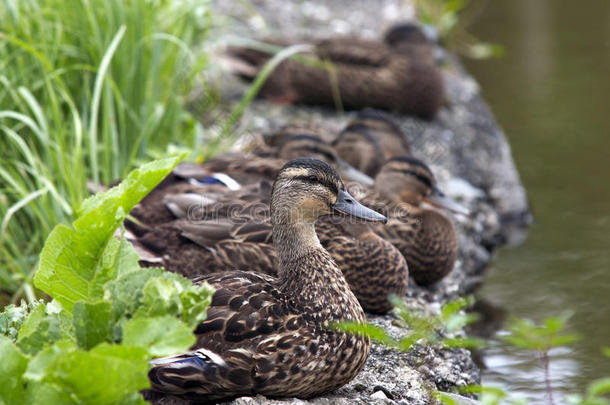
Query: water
column 551, row 94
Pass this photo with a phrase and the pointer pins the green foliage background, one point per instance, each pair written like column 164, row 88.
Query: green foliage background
column 92, row 342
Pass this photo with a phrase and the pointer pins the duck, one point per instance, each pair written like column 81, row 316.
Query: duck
column 426, row 237
column 271, row 335
column 369, row 139
column 399, row 74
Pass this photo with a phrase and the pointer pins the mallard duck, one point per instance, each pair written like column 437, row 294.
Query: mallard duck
column 399, row 75
column 369, row 140
column 271, row 336
column 425, row 237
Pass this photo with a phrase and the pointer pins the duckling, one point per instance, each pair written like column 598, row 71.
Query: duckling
column 369, row 140
column 396, row 76
column 425, row 237
column 271, row 336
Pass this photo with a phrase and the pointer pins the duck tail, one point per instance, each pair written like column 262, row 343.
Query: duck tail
column 180, row 374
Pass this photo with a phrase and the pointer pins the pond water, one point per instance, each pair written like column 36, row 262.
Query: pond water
column 551, row 94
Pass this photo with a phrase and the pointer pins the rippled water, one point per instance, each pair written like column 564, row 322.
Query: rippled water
column 551, row 94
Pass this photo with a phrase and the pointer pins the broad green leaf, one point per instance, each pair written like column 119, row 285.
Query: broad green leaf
column 128, row 193
column 70, row 259
column 49, row 394
column 156, row 292
column 162, row 336
column 12, row 366
column 38, row 329
column 93, row 323
column 108, row 374
column 118, row 258
column 39, row 365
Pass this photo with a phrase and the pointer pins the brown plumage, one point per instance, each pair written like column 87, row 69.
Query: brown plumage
column 369, row 140
column 399, row 75
column 270, row 336
column 425, row 237
column 235, row 232
column 262, row 164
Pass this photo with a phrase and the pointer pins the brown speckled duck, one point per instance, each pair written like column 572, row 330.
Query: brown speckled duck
column 270, row 336
column 425, row 237
column 399, row 74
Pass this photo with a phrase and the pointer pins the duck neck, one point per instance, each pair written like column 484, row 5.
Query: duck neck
column 294, row 240
column 309, row 275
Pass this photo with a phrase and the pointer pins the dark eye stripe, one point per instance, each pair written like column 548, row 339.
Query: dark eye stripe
column 315, row 180
column 415, row 174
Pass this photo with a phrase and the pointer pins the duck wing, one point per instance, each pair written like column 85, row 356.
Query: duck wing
column 247, row 316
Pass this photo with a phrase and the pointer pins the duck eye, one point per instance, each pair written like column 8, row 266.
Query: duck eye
column 312, row 178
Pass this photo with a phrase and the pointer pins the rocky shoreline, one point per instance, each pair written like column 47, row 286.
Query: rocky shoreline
column 464, row 147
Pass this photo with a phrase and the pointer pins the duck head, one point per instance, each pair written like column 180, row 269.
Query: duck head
column 407, row 179
column 307, row 188
column 407, row 37
column 369, row 139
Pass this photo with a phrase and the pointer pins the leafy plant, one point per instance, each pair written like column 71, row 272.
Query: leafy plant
column 526, row 334
column 423, row 329
column 89, row 89
column 108, row 317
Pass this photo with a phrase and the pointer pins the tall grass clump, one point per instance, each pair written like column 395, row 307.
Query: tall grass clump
column 88, row 89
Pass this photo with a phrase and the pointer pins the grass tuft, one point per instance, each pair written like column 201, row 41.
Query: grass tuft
column 89, row 89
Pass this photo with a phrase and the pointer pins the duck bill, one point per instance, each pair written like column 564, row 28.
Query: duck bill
column 347, row 205
column 439, row 199
column 350, row 173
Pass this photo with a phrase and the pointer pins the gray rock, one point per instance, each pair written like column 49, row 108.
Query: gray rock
column 464, row 147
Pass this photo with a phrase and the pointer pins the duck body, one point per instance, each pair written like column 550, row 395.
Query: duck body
column 373, row 267
column 356, row 73
column 427, row 240
column 270, row 335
